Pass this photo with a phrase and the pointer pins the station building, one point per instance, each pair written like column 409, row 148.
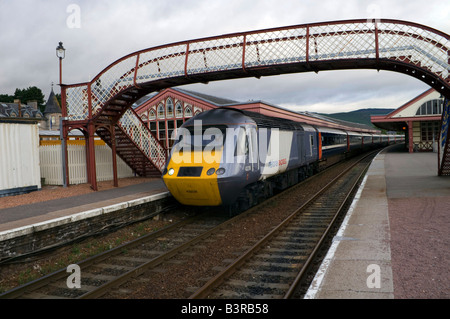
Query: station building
column 419, row 118
column 20, row 110
column 169, row 109
column 48, row 120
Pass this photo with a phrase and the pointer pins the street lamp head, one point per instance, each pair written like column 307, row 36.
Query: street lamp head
column 60, row 51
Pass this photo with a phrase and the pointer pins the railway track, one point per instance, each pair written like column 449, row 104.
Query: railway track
column 267, row 274
column 111, row 268
column 276, row 265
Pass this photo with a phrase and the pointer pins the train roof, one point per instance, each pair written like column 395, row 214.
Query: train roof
column 233, row 116
column 274, row 122
column 221, row 116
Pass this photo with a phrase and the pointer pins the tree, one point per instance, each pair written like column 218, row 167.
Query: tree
column 58, row 97
column 31, row 94
column 6, row 98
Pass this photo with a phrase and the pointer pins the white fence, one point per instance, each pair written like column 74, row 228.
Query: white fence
column 51, row 167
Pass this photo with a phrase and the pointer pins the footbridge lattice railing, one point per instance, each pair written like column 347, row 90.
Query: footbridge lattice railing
column 395, row 45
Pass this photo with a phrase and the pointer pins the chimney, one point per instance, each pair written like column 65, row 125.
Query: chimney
column 33, row 104
column 19, row 108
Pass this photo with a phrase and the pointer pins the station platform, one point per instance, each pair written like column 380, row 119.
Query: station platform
column 15, row 221
column 394, row 241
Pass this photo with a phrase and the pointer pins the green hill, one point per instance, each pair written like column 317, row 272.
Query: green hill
column 360, row 116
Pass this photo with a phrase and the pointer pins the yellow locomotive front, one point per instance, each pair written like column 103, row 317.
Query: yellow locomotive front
column 204, row 168
column 191, row 176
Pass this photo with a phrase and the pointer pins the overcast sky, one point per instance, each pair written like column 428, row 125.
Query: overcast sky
column 96, row 33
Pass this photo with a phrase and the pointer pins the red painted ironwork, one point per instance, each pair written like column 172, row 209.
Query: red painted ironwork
column 244, row 42
column 444, row 141
column 377, row 48
column 400, row 46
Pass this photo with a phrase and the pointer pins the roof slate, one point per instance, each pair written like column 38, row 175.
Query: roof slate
column 52, row 105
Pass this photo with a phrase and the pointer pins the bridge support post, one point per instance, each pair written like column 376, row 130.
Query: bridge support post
column 410, row 137
column 64, row 135
column 65, row 154
column 90, row 144
column 114, row 157
column 444, row 145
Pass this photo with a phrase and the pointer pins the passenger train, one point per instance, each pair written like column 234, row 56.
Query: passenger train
column 235, row 158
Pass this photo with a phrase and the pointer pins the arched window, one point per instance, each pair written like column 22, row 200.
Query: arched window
column 430, row 107
column 144, row 117
column 169, row 108
column 188, row 112
column 152, row 115
column 178, row 110
column 160, row 111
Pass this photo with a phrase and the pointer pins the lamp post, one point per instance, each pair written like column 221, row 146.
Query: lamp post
column 60, row 53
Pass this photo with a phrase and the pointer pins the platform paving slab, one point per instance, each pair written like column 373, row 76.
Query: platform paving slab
column 361, row 243
column 50, row 213
column 398, row 184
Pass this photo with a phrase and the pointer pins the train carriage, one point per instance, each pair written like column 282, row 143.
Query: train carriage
column 232, row 157
column 367, row 141
column 355, row 141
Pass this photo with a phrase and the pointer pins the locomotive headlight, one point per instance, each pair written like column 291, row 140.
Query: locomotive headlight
column 210, row 171
column 220, row 171
column 171, row 171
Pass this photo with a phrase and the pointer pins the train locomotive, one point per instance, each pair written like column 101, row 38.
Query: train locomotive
column 236, row 158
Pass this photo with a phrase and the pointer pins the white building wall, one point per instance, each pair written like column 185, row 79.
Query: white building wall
column 411, row 110
column 19, row 158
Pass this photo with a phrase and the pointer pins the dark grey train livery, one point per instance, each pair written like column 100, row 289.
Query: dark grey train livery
column 232, row 157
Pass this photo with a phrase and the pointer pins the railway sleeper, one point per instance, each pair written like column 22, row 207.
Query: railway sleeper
column 267, row 277
column 253, row 292
column 254, row 284
column 263, row 273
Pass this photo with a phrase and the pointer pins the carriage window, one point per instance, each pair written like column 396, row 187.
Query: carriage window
column 209, row 136
column 242, row 143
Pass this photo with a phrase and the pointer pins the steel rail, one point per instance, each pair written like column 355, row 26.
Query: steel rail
column 206, row 289
column 43, row 281
column 290, row 293
column 101, row 290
